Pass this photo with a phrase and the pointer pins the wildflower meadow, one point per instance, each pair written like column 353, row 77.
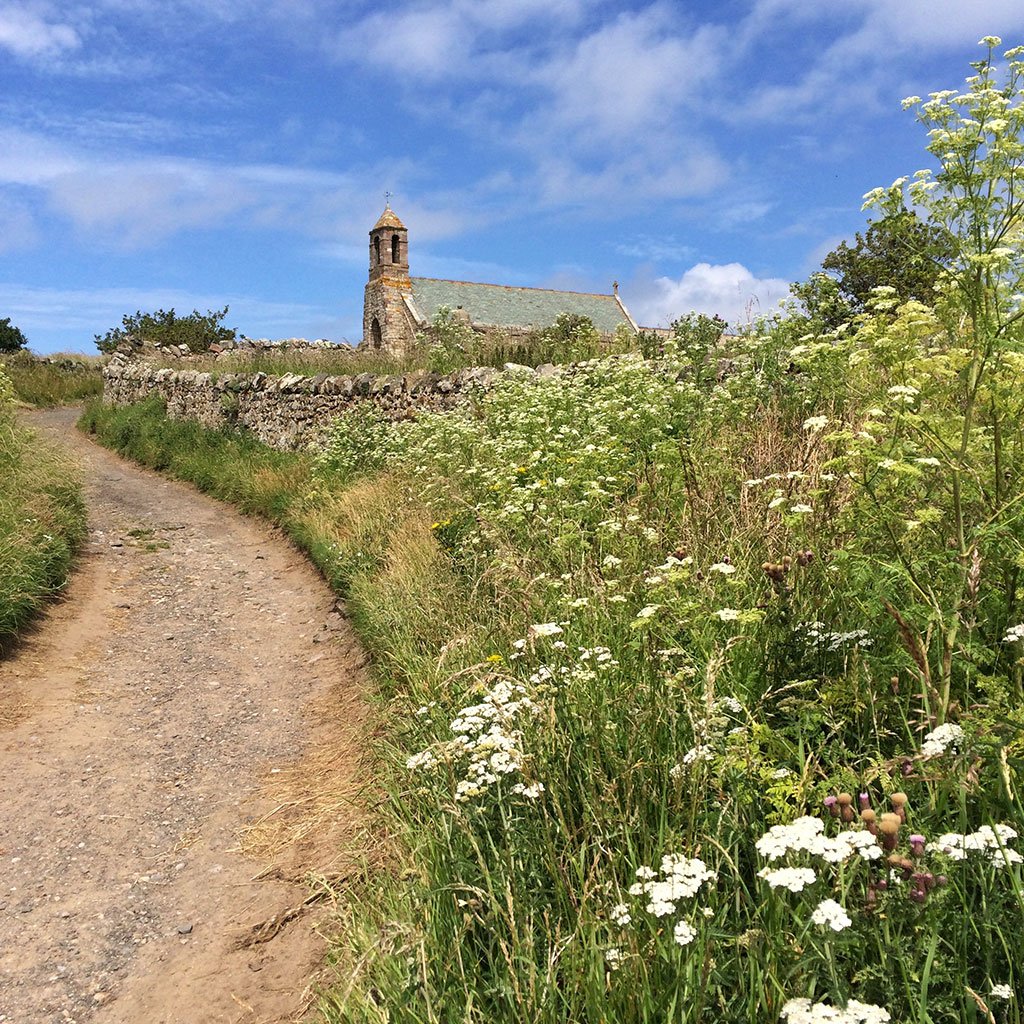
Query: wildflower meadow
column 708, row 701
column 700, row 677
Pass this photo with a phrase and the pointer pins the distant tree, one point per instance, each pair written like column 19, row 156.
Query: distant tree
column 11, row 337
column 901, row 251
column 197, row 332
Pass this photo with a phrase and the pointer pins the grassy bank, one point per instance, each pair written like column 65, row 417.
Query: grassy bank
column 645, row 714
column 701, row 696
column 55, row 380
column 42, row 519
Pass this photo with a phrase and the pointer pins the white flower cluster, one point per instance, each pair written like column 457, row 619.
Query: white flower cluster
column 942, row 739
column 681, row 878
column 989, row 841
column 488, row 740
column 807, row 835
column 819, row 638
column 1002, row 992
column 830, row 914
column 793, row 879
column 803, row 1011
column 1014, row 633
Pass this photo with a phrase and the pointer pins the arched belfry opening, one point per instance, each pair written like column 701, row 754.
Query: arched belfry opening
column 395, row 250
column 376, row 250
column 376, row 338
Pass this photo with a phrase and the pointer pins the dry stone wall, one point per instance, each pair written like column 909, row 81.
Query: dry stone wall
column 291, row 411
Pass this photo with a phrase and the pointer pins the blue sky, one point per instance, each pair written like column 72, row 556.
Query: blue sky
column 197, row 153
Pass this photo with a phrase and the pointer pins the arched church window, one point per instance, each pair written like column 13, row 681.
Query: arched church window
column 375, row 336
column 394, row 249
column 376, row 247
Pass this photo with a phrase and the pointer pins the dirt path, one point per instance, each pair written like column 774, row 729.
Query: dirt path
column 196, row 672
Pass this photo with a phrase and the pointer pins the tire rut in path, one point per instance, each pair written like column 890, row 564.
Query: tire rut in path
column 196, row 662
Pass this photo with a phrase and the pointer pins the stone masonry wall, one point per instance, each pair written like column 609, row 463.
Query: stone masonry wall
column 292, row 411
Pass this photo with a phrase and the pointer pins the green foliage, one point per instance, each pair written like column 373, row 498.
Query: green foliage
column 451, row 342
column 899, row 251
column 196, row 331
column 11, row 337
column 42, row 519
column 572, row 337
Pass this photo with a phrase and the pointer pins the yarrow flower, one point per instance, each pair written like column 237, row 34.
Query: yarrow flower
column 990, row 841
column 815, row 424
column 793, row 879
column 945, row 737
column 681, row 878
column 723, row 567
column 1001, row 992
column 545, row 629
column 1014, row 633
column 683, row 933
column 803, row 1011
column 832, row 915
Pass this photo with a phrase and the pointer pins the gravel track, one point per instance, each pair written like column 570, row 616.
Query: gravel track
column 147, row 720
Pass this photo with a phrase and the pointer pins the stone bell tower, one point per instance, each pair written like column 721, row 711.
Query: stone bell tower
column 388, row 324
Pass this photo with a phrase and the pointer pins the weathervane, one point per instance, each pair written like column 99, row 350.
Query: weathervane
column 387, row 200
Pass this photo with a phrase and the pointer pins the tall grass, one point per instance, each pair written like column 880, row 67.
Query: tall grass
column 42, row 519
column 55, row 380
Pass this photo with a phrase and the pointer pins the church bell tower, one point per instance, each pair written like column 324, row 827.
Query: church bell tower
column 387, row 322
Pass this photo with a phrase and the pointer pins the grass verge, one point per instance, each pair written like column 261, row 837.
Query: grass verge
column 42, row 520
column 56, row 380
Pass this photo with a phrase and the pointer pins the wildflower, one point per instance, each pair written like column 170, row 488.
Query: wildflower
column 545, row 629
column 1014, row 633
column 1001, row 992
column 831, row 914
column 793, row 879
column 683, row 933
column 620, row 914
column 988, row 840
column 613, row 957
column 801, row 508
column 815, row 424
column 701, row 752
column 727, row 614
column 942, row 739
column 803, row 834
column 648, row 611
column 531, row 792
column 424, row 759
column 723, row 567
column 803, row 1011
column 928, row 460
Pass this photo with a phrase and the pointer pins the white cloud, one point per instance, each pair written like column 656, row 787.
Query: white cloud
column 29, row 36
column 631, row 75
column 729, row 289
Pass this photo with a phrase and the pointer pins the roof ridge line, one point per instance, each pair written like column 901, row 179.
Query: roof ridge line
column 515, row 287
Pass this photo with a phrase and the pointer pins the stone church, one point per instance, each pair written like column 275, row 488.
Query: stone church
column 396, row 306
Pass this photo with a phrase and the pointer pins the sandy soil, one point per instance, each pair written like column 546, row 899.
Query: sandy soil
column 196, row 680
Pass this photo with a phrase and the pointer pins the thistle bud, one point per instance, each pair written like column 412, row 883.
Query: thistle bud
column 864, row 800
column 830, row 804
column 899, row 802
column 917, row 845
column 889, row 830
column 870, row 820
column 846, row 807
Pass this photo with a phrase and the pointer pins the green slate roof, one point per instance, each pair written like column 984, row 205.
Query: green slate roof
column 500, row 305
